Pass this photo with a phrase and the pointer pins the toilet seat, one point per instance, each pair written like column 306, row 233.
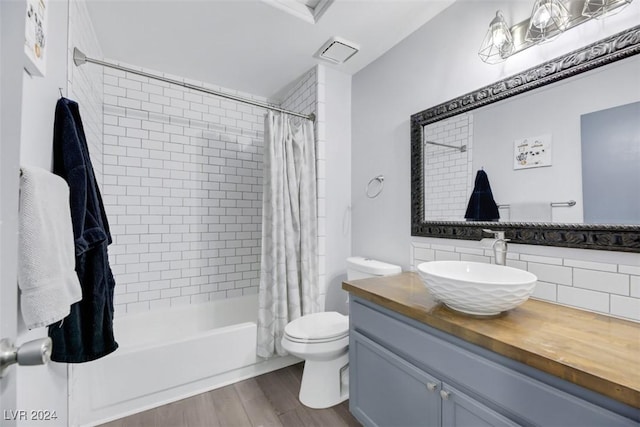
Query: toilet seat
column 318, row 328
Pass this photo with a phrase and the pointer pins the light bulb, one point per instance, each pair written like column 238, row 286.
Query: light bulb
column 541, row 17
column 499, row 37
column 498, row 42
column 548, row 14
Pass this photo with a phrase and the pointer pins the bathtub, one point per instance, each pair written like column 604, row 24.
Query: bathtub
column 168, row 355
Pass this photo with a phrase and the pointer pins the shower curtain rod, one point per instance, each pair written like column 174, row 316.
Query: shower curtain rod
column 80, row 58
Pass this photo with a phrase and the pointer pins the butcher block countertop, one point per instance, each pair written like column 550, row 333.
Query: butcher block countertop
column 597, row 352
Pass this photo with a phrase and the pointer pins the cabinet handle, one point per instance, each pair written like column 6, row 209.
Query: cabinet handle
column 432, row 386
column 445, row 394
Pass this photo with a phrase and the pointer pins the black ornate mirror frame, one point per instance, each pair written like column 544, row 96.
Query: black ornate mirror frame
column 584, row 236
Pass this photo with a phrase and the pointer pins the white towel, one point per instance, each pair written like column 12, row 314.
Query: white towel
column 46, row 249
column 530, row 212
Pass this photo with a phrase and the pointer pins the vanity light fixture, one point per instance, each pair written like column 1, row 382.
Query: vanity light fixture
column 498, row 43
column 549, row 19
column 599, row 8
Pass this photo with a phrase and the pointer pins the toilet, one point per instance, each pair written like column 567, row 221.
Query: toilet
column 322, row 340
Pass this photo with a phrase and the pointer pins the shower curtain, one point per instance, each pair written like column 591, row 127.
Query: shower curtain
column 289, row 262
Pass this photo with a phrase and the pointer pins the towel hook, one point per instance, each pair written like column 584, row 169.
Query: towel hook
column 376, row 193
column 60, row 90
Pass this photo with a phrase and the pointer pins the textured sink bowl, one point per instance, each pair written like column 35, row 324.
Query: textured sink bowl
column 477, row 288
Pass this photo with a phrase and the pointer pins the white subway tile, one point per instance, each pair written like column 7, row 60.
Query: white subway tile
column 516, row 264
column 590, row 300
column 541, row 259
column 129, row 103
column 174, row 93
column 600, row 266
column 125, row 298
column 441, row 255
column 613, row 283
column 129, row 84
column 629, row 269
column 551, row 273
column 625, row 307
column 635, row 286
column 545, row 291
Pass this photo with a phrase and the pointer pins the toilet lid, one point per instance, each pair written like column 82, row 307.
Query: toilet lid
column 318, row 326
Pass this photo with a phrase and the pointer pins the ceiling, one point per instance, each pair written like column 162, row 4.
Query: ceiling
column 249, row 45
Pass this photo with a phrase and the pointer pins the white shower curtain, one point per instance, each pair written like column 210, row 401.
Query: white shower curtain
column 289, row 263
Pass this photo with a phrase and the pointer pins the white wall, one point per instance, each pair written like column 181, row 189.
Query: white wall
column 334, row 104
column 436, row 63
column 11, row 55
column 43, row 386
column 41, row 93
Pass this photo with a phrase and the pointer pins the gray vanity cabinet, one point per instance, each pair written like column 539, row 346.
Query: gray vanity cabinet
column 406, row 373
column 458, row 410
column 389, row 390
column 392, row 392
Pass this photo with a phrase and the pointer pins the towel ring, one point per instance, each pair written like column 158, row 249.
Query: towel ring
column 380, row 179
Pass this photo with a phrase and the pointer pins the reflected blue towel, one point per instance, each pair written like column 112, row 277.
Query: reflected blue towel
column 481, row 205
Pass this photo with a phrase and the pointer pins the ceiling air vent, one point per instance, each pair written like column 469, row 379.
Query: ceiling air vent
column 337, row 50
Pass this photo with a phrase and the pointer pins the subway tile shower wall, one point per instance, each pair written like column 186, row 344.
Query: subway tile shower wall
column 182, row 187
column 599, row 281
column 85, row 83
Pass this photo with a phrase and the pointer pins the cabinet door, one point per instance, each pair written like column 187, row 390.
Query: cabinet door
column 460, row 410
column 386, row 390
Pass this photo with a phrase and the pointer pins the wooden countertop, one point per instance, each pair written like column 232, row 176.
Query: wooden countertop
column 597, row 352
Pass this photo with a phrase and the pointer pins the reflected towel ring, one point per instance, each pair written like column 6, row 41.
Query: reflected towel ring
column 376, row 193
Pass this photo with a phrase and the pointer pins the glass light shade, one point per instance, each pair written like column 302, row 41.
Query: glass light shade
column 549, row 18
column 498, row 42
column 600, row 8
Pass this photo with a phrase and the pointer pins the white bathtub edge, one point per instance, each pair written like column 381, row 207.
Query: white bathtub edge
column 193, row 389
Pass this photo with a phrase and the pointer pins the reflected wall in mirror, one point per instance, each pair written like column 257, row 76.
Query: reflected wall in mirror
column 594, row 109
column 555, row 104
column 611, row 163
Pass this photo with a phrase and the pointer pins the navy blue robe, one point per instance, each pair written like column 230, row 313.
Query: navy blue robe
column 481, row 205
column 87, row 332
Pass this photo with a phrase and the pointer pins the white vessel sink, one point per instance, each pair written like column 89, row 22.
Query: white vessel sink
column 477, row 288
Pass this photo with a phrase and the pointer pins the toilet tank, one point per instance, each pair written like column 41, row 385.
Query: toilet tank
column 361, row 268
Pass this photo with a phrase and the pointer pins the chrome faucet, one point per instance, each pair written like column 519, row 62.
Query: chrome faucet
column 498, row 244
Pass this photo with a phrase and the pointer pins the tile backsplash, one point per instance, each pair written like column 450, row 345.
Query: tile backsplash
column 599, row 281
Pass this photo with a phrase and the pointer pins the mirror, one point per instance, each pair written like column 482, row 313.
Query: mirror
column 527, row 138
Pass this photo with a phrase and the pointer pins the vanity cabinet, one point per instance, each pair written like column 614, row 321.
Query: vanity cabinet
column 389, row 391
column 406, row 373
column 393, row 392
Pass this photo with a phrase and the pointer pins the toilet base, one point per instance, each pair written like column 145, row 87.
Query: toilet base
column 321, row 385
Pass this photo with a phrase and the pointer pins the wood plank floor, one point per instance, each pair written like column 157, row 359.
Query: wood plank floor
column 267, row 400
